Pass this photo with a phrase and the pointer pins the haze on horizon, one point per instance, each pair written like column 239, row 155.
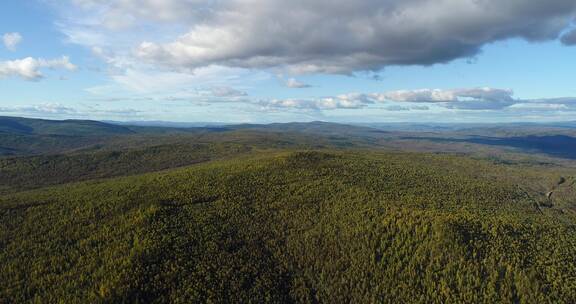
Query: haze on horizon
column 261, row 61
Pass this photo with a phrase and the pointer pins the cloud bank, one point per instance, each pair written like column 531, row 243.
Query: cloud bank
column 42, row 109
column 338, row 36
column 345, row 101
column 166, row 47
column 437, row 95
column 470, row 99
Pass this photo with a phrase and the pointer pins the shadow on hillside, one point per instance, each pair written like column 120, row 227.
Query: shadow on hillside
column 554, row 145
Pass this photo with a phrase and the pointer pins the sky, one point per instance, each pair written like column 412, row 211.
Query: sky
column 263, row 61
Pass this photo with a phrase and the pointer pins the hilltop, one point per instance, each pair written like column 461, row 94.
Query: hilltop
column 294, row 227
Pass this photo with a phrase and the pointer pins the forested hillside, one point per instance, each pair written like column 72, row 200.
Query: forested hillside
column 323, row 226
column 43, row 170
column 27, row 126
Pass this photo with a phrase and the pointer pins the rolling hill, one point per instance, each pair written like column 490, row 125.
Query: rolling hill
column 552, row 143
column 302, row 227
column 296, row 213
column 26, row 126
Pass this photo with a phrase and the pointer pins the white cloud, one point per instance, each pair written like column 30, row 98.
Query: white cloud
column 227, row 92
column 30, row 68
column 58, row 110
column 438, row 95
column 480, row 104
column 407, row 100
column 82, row 25
column 345, row 101
column 402, row 108
column 44, row 109
column 11, row 40
column 471, row 99
column 295, row 84
column 463, row 98
column 546, row 105
column 541, row 107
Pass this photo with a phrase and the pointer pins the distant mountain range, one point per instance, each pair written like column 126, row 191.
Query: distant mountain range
column 465, row 126
column 91, row 127
column 23, row 136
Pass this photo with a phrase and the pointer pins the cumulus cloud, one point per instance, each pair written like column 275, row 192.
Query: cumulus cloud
column 29, row 68
column 11, row 40
column 295, row 84
column 470, row 99
column 463, row 98
column 345, row 101
column 341, row 36
column 401, row 108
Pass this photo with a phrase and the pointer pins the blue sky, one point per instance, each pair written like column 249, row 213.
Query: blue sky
column 194, row 60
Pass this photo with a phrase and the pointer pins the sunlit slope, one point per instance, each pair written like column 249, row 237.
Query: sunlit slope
column 307, row 227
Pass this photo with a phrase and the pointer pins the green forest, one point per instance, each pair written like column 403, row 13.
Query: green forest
column 234, row 222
